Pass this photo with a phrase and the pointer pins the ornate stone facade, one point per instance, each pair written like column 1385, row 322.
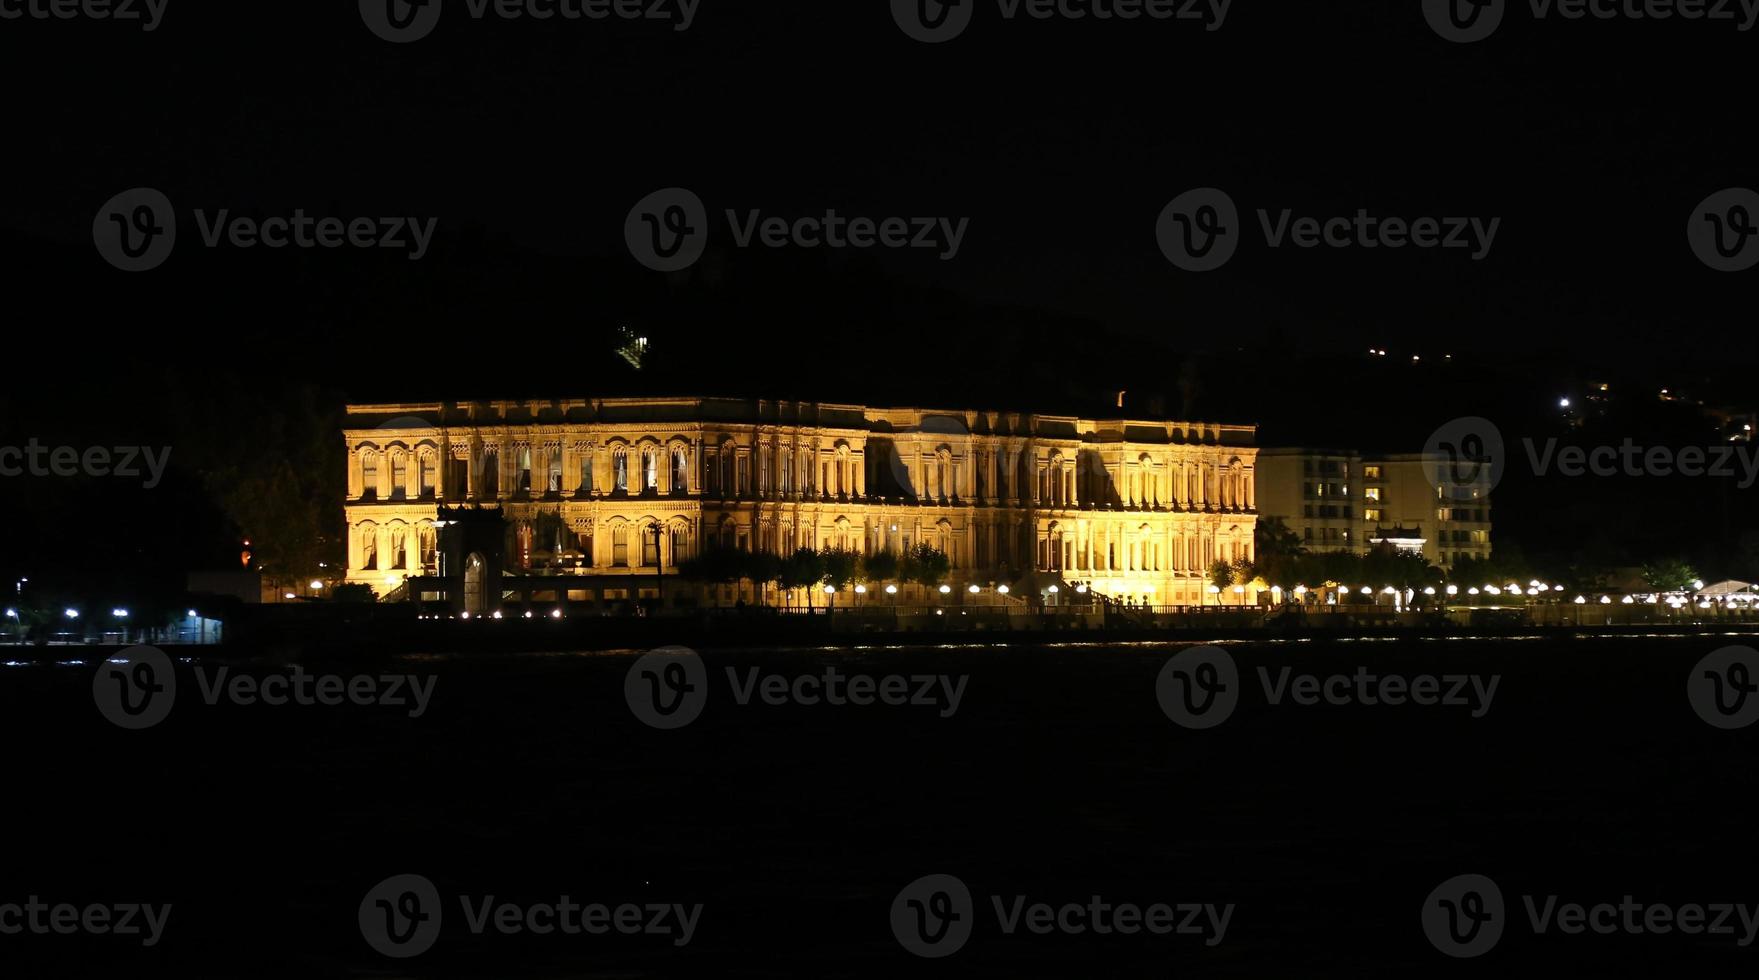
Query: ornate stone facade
column 1136, row 510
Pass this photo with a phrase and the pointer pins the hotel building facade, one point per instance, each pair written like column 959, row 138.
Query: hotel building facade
column 1134, row 510
column 1342, row 500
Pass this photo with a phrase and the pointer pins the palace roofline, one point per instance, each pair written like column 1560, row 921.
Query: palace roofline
column 766, row 410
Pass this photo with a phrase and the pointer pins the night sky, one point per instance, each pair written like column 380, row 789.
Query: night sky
column 1060, row 141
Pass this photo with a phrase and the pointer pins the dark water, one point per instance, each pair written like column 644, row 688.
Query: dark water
column 1058, row 778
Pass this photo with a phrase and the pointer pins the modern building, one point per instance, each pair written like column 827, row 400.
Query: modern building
column 1133, row 510
column 1343, row 500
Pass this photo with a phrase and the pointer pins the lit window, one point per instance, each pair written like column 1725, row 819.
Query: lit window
column 1372, row 493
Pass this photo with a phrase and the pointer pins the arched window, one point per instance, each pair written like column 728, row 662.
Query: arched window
column 680, row 470
column 428, row 473
column 620, row 546
column 399, row 475
column 553, row 470
column 650, row 469
column 491, row 480
column 620, row 470
column 523, row 480
column 369, row 474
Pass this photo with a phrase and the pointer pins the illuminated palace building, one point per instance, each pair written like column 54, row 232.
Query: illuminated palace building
column 1134, row 510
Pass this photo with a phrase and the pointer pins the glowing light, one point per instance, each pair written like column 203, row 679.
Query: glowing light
column 1002, row 589
column 1563, row 403
column 893, row 590
column 316, row 584
column 1627, row 600
column 1429, row 590
column 974, row 590
column 1472, row 591
column 830, row 590
column 289, row 595
column 1453, row 590
column 11, row 614
column 119, row 613
column 1052, row 590
column 466, row 616
column 555, row 614
column 73, row 614
column 192, row 613
column 1082, row 589
column 1581, row 600
column 861, row 590
column 497, row 615
column 1605, row 601
column 1367, row 591
column 946, row 589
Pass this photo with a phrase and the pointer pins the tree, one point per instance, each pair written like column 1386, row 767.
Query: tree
column 839, row 567
column 1279, row 554
column 803, row 570
column 926, row 565
column 1221, row 575
column 1669, row 575
column 879, row 566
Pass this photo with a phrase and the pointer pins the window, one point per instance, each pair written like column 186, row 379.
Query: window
column 1372, row 493
column 586, row 473
column 491, row 482
column 583, row 544
column 1372, row 514
column 650, row 547
column 650, row 470
column 369, row 475
column 787, row 481
column 427, row 471
column 620, row 472
column 1371, row 473
column 680, row 470
column 620, row 546
column 457, row 477
column 553, row 471
column 399, row 474
column 523, row 482
column 426, row 536
column 744, row 476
